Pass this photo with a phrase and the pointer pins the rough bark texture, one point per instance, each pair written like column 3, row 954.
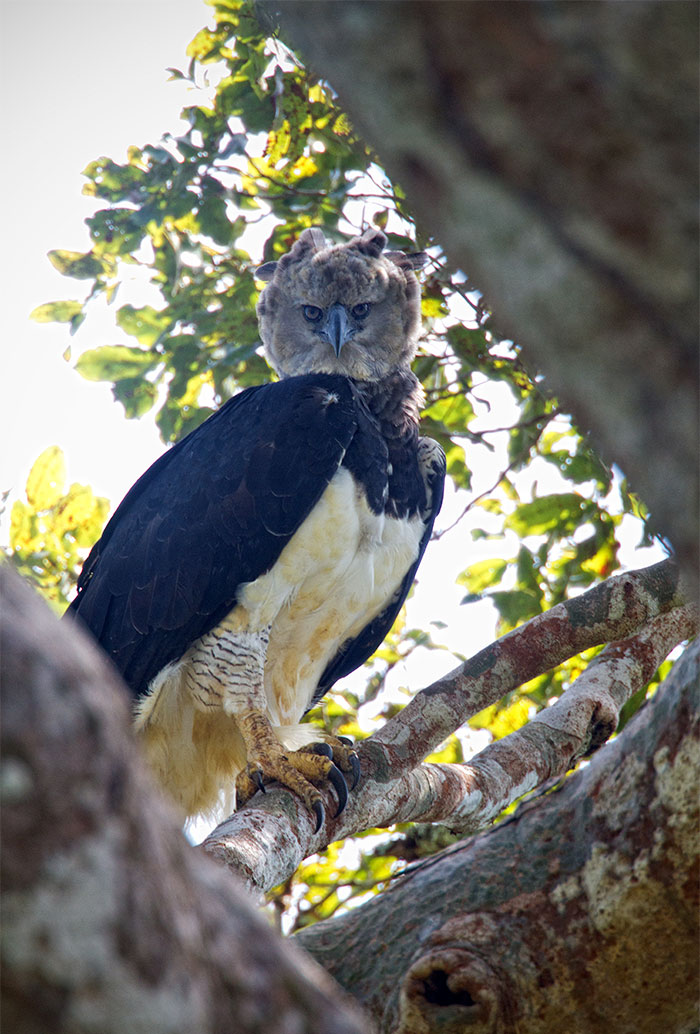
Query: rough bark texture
column 111, row 922
column 266, row 840
column 580, row 913
column 551, row 150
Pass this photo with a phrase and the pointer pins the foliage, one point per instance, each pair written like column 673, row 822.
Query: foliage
column 266, row 153
column 51, row 533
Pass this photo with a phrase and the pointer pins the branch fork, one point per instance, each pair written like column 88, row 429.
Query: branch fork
column 642, row 614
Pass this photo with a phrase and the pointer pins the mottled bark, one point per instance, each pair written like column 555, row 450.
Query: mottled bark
column 266, row 841
column 551, row 150
column 111, row 922
column 579, row 913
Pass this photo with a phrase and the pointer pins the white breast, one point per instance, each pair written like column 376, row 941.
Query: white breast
column 338, row 572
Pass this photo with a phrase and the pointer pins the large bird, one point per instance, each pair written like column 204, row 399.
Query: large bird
column 267, row 554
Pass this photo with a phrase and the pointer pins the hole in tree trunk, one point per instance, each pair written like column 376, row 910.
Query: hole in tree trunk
column 436, row 991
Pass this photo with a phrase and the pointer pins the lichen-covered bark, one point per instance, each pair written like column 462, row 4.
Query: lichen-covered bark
column 266, row 840
column 111, row 922
column 551, row 151
column 579, row 913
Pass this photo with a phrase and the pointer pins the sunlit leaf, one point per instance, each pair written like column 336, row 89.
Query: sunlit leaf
column 114, row 363
column 76, row 264
column 56, row 312
column 51, row 532
column 562, row 511
column 145, row 324
column 482, row 575
column 46, row 479
column 502, row 721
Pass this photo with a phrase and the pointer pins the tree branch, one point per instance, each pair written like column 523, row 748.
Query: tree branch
column 546, row 922
column 271, row 835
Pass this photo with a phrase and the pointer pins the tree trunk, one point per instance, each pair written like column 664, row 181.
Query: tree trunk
column 551, row 151
column 579, row 913
column 111, row 921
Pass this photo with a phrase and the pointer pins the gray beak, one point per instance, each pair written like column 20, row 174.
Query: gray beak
column 337, row 328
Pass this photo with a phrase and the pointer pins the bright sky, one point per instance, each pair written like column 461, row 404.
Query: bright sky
column 81, row 79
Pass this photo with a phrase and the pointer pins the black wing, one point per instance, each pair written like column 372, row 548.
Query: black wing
column 356, row 651
column 213, row 512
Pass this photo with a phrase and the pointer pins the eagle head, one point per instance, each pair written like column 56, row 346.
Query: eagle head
column 352, row 308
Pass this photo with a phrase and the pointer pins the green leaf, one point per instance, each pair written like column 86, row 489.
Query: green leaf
column 136, row 395
column 56, row 312
column 115, row 363
column 528, row 573
column 453, row 412
column 46, row 479
column 482, row 575
column 145, row 324
column 76, row 264
column 580, row 467
column 214, row 221
column 502, row 721
column 516, row 606
column 563, row 512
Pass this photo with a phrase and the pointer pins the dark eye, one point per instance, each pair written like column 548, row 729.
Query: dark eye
column 361, row 311
column 312, row 313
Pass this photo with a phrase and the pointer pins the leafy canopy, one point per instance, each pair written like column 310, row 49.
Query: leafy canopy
column 266, row 153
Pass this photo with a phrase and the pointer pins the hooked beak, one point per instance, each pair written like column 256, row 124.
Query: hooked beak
column 337, row 328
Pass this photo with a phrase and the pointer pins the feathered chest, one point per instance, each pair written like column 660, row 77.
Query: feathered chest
column 346, row 564
column 339, row 571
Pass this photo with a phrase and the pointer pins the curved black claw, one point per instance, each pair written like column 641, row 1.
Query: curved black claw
column 319, row 813
column 346, row 740
column 324, row 749
column 335, row 777
column 258, row 780
column 355, row 766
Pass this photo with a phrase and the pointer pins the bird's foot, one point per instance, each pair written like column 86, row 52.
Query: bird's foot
column 344, row 755
column 302, row 771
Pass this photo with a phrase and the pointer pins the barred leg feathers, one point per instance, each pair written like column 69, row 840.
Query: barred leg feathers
column 199, row 753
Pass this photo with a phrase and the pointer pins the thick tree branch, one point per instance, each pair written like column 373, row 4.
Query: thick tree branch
column 579, row 913
column 551, row 150
column 608, row 612
column 270, row 837
column 111, row 922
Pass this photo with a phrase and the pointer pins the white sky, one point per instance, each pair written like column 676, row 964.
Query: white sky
column 81, row 79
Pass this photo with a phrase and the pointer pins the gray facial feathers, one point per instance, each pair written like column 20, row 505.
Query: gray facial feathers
column 377, row 290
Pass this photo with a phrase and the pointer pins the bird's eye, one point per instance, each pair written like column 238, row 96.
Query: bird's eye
column 312, row 313
column 361, row 311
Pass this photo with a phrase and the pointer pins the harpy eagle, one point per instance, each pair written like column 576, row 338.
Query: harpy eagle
column 267, row 554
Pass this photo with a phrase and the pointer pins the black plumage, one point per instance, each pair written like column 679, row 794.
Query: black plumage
column 216, row 510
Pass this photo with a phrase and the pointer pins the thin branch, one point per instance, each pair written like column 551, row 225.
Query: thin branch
column 473, row 501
